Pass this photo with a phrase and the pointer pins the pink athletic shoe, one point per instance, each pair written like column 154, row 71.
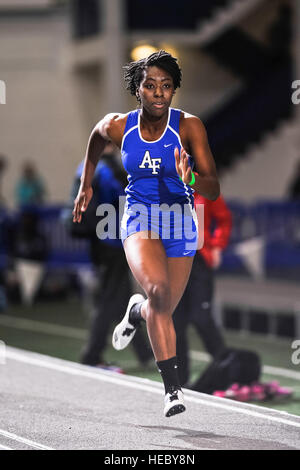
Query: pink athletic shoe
column 111, row 368
column 234, row 392
column 224, row 394
column 274, row 391
column 243, row 393
column 258, row 392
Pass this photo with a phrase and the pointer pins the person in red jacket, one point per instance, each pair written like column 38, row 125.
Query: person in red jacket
column 195, row 306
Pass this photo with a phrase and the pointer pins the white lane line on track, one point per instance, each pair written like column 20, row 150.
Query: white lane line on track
column 109, row 377
column 43, row 327
column 23, row 440
column 5, row 448
column 81, row 334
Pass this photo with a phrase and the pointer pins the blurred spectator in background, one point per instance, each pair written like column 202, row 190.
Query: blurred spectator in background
column 280, row 34
column 232, row 373
column 195, row 306
column 4, row 221
column 4, row 218
column 28, row 249
column 30, row 189
column 114, row 284
column 27, row 241
column 3, row 298
column 3, row 165
column 294, row 186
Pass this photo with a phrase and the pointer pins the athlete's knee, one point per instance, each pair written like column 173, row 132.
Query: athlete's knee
column 159, row 296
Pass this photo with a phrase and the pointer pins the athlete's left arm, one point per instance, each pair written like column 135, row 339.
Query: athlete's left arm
column 206, row 182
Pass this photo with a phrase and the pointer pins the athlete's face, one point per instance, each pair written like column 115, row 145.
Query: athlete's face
column 156, row 90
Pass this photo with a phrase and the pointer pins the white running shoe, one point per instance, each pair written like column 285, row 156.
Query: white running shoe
column 174, row 403
column 125, row 331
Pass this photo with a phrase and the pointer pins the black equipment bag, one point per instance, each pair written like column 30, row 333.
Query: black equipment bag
column 231, row 366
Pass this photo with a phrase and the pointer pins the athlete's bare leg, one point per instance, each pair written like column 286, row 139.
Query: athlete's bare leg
column 163, row 280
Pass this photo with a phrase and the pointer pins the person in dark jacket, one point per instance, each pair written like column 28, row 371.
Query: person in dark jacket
column 113, row 275
column 195, row 306
column 294, row 185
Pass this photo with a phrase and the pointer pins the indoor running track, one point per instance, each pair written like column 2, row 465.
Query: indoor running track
column 48, row 404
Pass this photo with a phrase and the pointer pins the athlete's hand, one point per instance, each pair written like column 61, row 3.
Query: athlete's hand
column 182, row 165
column 81, row 202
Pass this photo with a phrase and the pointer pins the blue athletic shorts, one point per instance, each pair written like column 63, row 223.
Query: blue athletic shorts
column 176, row 226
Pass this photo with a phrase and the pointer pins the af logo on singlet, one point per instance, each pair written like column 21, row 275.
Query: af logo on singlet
column 153, row 163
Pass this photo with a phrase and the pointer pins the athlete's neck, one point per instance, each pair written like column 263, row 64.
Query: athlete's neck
column 153, row 124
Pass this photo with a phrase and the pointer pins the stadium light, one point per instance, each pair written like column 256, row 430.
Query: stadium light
column 144, row 50
column 141, row 51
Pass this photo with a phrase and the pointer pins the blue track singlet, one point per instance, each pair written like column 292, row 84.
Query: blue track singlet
column 156, row 199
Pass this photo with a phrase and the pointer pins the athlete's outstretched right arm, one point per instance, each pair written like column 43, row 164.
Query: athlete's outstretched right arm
column 97, row 141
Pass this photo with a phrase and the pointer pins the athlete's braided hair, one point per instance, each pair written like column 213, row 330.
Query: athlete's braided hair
column 133, row 72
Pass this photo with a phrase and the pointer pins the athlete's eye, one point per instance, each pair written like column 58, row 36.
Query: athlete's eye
column 149, row 85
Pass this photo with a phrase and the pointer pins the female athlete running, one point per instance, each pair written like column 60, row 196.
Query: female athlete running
column 156, row 143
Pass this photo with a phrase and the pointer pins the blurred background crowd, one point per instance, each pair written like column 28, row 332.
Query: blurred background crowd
column 62, row 62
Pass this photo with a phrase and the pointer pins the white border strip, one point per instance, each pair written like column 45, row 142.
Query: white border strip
column 28, row 442
column 43, row 327
column 82, row 334
column 5, row 448
column 134, row 383
column 125, row 135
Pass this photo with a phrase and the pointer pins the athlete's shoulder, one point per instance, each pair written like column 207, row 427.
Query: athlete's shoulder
column 190, row 124
column 111, row 126
column 111, row 123
column 187, row 119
